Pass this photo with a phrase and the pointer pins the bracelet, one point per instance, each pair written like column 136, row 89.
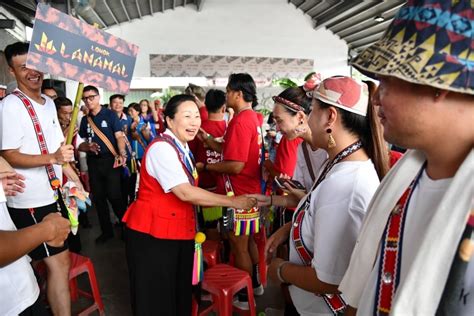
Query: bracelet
column 280, row 266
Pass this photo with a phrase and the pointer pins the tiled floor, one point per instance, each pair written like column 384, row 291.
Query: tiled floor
column 111, row 269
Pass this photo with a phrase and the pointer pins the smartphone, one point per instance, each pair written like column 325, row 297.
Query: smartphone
column 293, row 183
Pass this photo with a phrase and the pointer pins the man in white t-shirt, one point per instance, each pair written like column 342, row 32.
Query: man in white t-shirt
column 408, row 259
column 18, row 285
column 19, row 145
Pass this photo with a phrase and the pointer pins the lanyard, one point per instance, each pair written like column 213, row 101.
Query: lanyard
column 188, row 159
column 346, row 152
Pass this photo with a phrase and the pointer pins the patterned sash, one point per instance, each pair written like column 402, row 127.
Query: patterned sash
column 335, row 302
column 53, row 179
column 390, row 256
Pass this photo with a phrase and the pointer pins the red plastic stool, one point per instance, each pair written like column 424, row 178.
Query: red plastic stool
column 80, row 265
column 210, row 251
column 223, row 282
column 195, row 309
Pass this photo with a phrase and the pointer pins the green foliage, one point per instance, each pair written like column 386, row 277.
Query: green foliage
column 167, row 94
column 284, row 83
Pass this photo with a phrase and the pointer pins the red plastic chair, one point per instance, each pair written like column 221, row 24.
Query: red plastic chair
column 195, row 309
column 210, row 251
column 223, row 282
column 80, row 265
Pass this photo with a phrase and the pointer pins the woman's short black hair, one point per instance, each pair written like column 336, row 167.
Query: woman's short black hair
column 135, row 106
column 215, row 100
column 172, row 106
column 245, row 83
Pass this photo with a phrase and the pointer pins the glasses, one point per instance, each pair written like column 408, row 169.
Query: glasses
column 89, row 98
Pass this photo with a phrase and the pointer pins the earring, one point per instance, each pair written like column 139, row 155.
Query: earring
column 331, row 140
column 437, row 93
column 301, row 122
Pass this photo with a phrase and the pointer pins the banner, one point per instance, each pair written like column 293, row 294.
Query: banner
column 223, row 66
column 64, row 46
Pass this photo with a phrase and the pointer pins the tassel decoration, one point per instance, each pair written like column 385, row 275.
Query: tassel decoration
column 198, row 266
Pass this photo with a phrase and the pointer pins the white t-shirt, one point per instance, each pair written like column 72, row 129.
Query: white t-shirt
column 18, row 286
column 331, row 226
column 425, row 198
column 317, row 158
column 17, row 132
column 163, row 164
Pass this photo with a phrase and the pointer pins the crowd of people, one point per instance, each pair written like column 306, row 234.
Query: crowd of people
column 358, row 228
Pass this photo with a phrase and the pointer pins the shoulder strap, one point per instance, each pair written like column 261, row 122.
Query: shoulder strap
column 167, row 139
column 53, row 179
column 308, row 160
column 102, row 136
column 335, row 302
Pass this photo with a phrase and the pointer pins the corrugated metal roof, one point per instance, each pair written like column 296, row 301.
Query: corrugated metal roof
column 358, row 22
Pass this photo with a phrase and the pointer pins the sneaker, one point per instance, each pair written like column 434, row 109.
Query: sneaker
column 242, row 305
column 240, row 301
column 258, row 291
column 103, row 238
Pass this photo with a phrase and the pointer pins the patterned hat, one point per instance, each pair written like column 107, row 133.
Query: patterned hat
column 429, row 42
column 345, row 93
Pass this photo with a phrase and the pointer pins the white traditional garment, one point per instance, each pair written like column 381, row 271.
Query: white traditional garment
column 421, row 293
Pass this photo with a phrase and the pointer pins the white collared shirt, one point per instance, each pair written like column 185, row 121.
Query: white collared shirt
column 163, row 164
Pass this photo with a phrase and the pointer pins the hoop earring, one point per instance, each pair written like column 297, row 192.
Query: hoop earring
column 331, row 140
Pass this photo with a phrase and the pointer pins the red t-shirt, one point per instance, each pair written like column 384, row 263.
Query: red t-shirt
column 394, row 157
column 242, row 142
column 286, row 155
column 206, row 155
column 203, row 113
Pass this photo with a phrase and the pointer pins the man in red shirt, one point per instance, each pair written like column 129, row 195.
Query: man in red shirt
column 215, row 127
column 240, row 167
column 285, row 159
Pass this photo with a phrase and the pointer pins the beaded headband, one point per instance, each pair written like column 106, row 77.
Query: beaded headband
column 292, row 106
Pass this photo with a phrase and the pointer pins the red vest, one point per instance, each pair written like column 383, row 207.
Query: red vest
column 159, row 214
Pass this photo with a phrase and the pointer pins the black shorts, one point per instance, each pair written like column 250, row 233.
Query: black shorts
column 24, row 217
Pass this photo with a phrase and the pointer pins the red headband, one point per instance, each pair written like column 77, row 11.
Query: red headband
column 288, row 104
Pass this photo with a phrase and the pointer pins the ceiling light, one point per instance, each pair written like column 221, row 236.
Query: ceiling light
column 379, row 18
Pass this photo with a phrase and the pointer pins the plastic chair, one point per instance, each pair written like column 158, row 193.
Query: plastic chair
column 195, row 309
column 210, row 251
column 223, row 282
column 80, row 265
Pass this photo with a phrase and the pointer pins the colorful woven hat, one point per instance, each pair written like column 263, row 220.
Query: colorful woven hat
column 345, row 93
column 429, row 42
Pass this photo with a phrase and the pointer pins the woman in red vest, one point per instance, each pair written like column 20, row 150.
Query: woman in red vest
column 161, row 223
